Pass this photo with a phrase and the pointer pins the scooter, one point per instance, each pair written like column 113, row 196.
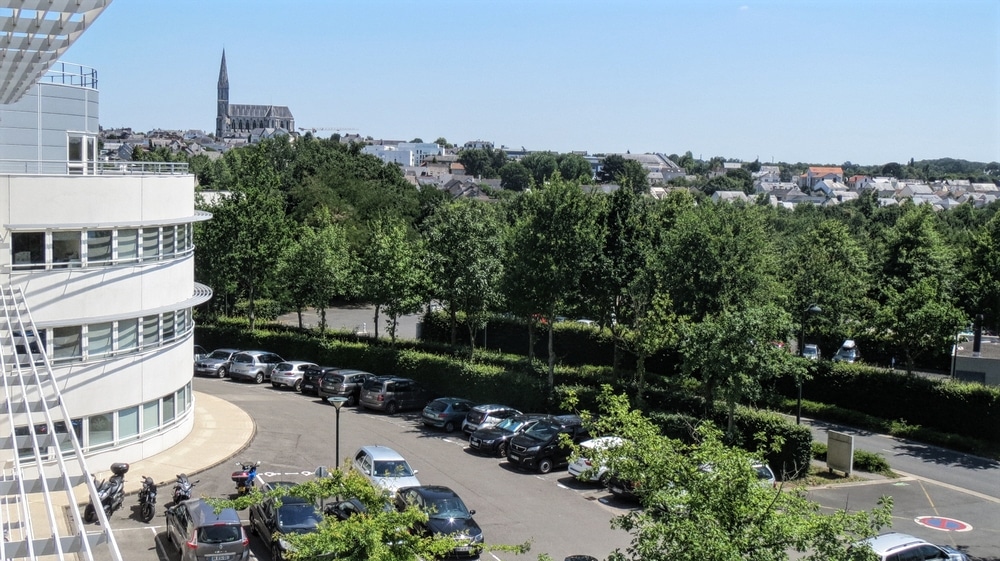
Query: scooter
column 244, row 478
column 147, row 499
column 111, row 493
column 182, row 490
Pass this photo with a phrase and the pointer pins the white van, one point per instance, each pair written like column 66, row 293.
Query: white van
column 848, row 352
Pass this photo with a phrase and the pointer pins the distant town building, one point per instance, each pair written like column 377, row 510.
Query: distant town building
column 244, row 120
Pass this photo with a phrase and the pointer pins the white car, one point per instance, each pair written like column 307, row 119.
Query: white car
column 896, row 546
column 289, row 374
column 585, row 470
column 385, row 468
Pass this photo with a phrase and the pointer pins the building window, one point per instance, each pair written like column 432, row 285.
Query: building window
column 28, row 250
column 101, row 430
column 99, row 339
column 180, row 319
column 183, row 243
column 150, row 416
column 168, row 408
column 150, row 331
column 99, row 246
column 183, row 399
column 66, row 343
column 128, row 423
column 128, row 335
column 128, row 246
column 168, row 241
column 66, row 249
column 168, row 326
column 150, row 243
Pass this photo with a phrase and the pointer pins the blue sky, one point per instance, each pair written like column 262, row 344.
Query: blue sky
column 821, row 82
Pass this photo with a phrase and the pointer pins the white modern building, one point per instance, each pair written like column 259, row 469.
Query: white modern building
column 96, row 275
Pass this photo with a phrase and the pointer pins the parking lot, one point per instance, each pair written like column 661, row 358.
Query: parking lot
column 560, row 517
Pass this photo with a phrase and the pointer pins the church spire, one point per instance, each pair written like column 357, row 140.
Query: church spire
column 223, row 75
column 222, row 107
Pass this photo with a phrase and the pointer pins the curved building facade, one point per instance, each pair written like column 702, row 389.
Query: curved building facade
column 102, row 253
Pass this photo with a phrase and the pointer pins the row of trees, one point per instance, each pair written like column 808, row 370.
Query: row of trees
column 314, row 221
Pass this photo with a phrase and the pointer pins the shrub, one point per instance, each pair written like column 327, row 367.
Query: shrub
column 871, row 462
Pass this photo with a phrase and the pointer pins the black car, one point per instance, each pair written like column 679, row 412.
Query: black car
column 447, row 515
column 312, row 376
column 493, row 441
column 294, row 516
column 540, row 447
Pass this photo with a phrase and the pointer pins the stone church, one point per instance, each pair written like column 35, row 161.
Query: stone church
column 242, row 120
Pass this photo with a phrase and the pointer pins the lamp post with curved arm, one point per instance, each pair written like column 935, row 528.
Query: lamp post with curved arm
column 338, row 402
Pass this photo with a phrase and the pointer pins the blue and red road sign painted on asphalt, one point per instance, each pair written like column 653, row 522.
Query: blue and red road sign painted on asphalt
column 942, row 523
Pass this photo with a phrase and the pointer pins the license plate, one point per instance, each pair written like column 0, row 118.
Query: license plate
column 515, row 458
column 219, row 557
column 474, row 442
column 463, row 548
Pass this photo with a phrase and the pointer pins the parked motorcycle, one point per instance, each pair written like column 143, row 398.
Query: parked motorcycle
column 147, row 499
column 111, row 493
column 182, row 490
column 244, row 478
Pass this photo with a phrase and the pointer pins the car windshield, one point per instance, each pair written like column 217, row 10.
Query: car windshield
column 451, row 507
column 334, row 379
column 542, row 431
column 511, row 424
column 763, row 472
column 220, row 533
column 437, row 406
column 242, row 358
column 283, row 367
column 392, row 468
column 298, row 518
column 221, row 355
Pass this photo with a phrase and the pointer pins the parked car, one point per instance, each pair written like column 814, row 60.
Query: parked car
column 583, row 468
column 199, row 532
column 312, row 376
column 895, row 546
column 199, row 352
column 289, row 374
column 540, row 448
column 344, row 383
column 216, row 363
column 494, row 441
column 295, row 516
column 447, row 515
column 392, row 394
column 810, row 351
column 848, row 352
column 384, row 467
column 446, row 413
column 344, row 509
column 486, row 416
column 254, row 365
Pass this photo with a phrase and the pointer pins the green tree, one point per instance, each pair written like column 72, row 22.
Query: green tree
column 892, row 169
column 482, row 162
column 984, row 272
column 574, row 167
column 317, row 268
column 465, row 261
column 627, row 173
column 541, row 165
column 703, row 501
column 442, row 142
column 553, row 241
column 920, row 320
column 392, row 272
column 515, row 177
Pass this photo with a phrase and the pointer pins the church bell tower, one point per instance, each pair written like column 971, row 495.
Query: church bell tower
column 222, row 115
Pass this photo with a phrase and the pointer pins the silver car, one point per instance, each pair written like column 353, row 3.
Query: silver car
column 199, row 533
column 385, row 468
column 289, row 374
column 895, row 546
column 486, row 416
column 254, row 365
column 215, row 364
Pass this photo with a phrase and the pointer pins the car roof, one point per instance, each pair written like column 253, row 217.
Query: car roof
column 226, row 350
column 347, row 371
column 492, row 407
column 296, row 362
column 379, row 452
column 891, row 541
column 452, row 400
column 203, row 514
column 255, row 353
column 431, row 491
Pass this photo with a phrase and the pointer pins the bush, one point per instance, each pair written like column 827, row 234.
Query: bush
column 871, row 462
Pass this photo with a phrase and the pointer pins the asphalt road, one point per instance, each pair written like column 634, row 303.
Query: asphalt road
column 295, row 435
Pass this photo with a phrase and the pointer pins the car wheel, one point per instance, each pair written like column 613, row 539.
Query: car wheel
column 298, row 386
column 259, row 378
column 253, row 524
column 352, row 400
column 325, row 398
column 275, row 385
column 89, row 514
column 276, row 554
column 220, row 372
column 449, row 427
column 544, row 465
column 391, row 408
column 502, row 450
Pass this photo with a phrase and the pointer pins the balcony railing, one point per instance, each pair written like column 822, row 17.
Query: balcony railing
column 62, row 167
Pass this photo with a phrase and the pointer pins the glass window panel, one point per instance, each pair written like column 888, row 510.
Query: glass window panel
column 150, row 331
column 128, row 335
column 168, row 408
column 98, row 246
column 180, row 318
column 183, row 243
column 77, row 430
column 66, row 249
column 128, row 423
column 66, row 342
column 28, row 250
column 150, row 243
column 168, row 326
column 187, row 396
column 101, row 430
column 182, row 399
column 128, row 245
column 99, row 338
column 168, row 240
column 150, row 415
column 75, row 149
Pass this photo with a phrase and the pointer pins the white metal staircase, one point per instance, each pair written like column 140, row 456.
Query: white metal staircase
column 41, row 462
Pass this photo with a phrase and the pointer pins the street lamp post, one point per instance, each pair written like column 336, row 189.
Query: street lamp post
column 338, row 402
column 811, row 310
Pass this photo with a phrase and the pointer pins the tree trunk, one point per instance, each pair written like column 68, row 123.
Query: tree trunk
column 298, row 311
column 552, row 355
column 322, row 320
column 640, row 377
column 377, row 307
column 531, row 340
column 454, row 323
column 250, row 308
